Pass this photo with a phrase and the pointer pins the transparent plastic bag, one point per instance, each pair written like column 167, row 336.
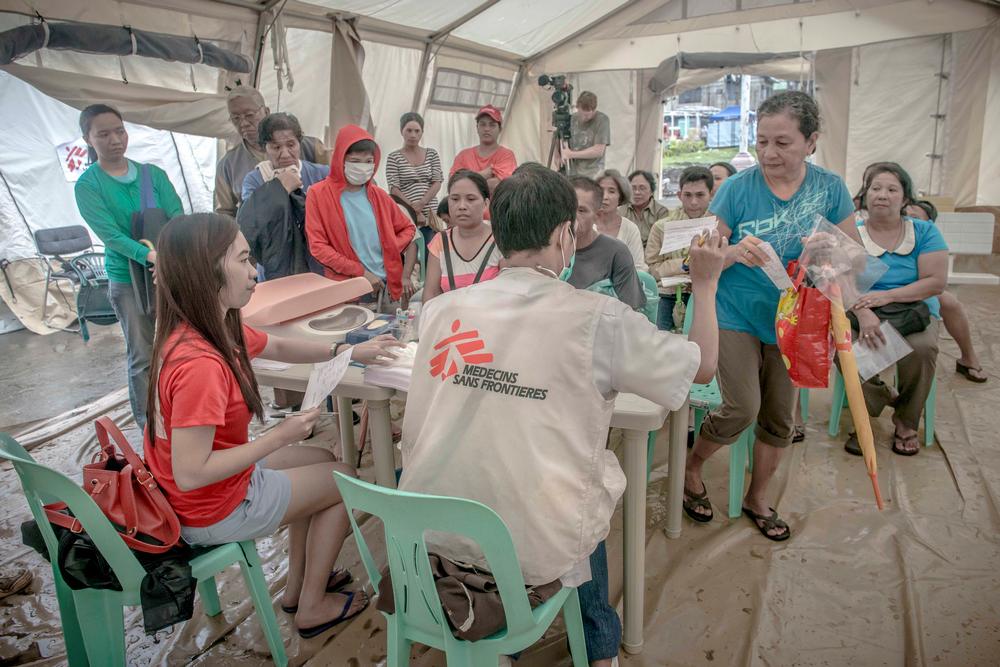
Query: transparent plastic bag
column 833, row 259
column 873, row 360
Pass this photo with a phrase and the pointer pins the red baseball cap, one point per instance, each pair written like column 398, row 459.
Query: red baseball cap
column 492, row 112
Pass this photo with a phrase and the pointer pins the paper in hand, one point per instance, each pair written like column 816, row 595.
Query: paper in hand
column 678, row 234
column 324, row 379
column 774, row 270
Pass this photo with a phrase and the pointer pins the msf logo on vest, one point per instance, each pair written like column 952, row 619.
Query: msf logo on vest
column 466, row 345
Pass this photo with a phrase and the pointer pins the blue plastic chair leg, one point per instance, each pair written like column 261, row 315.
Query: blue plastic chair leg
column 573, row 616
column 209, row 597
column 839, row 396
column 253, row 575
column 930, row 411
column 737, row 474
column 102, row 622
column 804, row 404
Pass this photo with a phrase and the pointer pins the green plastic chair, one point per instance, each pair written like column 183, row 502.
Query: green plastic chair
column 840, row 399
column 652, row 292
column 406, row 517
column 92, row 620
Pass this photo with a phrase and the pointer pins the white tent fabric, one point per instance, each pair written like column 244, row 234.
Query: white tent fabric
column 35, row 125
column 876, row 64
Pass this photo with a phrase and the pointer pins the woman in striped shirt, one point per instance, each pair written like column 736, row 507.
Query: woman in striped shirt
column 414, row 173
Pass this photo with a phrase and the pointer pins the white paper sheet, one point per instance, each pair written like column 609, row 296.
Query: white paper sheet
column 674, row 281
column 269, row 365
column 872, row 361
column 677, row 234
column 324, row 379
column 774, row 269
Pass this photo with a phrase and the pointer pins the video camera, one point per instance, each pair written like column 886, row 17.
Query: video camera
column 562, row 100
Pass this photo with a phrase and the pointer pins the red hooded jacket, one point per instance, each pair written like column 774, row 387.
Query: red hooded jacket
column 326, row 228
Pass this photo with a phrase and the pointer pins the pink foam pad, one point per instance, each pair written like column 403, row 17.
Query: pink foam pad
column 292, row 297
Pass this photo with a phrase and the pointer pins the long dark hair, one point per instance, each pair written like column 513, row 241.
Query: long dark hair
column 190, row 253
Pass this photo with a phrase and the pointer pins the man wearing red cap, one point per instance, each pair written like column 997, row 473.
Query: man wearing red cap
column 489, row 159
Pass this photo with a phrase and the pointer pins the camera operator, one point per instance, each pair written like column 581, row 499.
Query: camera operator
column 590, row 135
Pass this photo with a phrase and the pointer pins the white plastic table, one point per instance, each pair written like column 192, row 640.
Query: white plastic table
column 296, row 377
column 638, row 417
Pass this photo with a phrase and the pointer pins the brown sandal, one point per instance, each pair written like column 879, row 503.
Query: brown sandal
column 766, row 523
column 699, row 500
column 967, row 372
column 899, row 443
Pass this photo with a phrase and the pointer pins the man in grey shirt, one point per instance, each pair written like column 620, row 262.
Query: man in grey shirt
column 590, row 136
column 598, row 256
column 246, row 110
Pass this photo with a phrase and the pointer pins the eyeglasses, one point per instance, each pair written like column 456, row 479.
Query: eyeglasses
column 250, row 117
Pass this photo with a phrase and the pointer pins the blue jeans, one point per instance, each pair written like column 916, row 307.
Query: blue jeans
column 602, row 628
column 665, row 313
column 138, row 329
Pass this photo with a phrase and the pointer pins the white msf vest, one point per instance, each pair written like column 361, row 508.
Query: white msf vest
column 503, row 409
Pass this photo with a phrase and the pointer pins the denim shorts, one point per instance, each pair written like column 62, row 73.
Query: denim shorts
column 259, row 515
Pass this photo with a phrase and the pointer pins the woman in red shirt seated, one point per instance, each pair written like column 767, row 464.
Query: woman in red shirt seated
column 202, row 394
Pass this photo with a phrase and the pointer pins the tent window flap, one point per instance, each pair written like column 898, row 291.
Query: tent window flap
column 454, row 88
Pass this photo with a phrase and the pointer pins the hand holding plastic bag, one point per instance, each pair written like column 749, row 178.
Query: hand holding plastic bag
column 831, row 257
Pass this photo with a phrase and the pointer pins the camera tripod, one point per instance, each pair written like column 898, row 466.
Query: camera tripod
column 563, row 166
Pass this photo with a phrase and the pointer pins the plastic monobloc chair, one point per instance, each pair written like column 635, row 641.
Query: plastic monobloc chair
column 419, row 616
column 840, row 399
column 92, row 619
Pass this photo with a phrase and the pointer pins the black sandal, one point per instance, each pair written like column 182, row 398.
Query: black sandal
column 897, row 440
column 345, row 615
column 700, row 500
column 967, row 372
column 338, row 580
column 852, row 446
column 766, row 523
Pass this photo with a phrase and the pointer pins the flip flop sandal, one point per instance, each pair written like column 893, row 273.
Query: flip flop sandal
column 698, row 500
column 967, row 372
column 852, row 446
column 799, row 434
column 338, row 580
column 345, row 615
column 766, row 523
column 897, row 441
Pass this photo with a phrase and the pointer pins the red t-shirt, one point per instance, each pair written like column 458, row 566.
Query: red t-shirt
column 503, row 162
column 196, row 388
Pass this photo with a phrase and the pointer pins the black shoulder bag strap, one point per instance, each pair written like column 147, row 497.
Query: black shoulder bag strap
column 446, row 247
column 485, row 262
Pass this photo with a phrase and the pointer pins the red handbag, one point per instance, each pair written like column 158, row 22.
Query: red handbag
column 127, row 494
column 802, row 325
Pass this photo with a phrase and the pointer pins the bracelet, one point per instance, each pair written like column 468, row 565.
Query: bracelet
column 334, row 349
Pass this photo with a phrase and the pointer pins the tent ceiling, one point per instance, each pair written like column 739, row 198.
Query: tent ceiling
column 518, row 27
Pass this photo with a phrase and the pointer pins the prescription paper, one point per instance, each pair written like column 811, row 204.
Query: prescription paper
column 678, row 234
column 324, row 379
column 774, row 270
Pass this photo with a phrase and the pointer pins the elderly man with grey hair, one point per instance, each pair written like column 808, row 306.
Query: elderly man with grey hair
column 246, row 110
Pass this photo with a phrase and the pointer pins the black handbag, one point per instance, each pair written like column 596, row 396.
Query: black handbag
column 146, row 225
column 907, row 318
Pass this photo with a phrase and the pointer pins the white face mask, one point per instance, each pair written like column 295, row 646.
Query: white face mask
column 358, row 173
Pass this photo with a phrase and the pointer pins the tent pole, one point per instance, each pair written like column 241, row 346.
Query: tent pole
column 519, row 76
column 262, row 28
column 425, row 61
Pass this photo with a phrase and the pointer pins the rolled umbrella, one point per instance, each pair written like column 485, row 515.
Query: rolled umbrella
column 852, row 385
